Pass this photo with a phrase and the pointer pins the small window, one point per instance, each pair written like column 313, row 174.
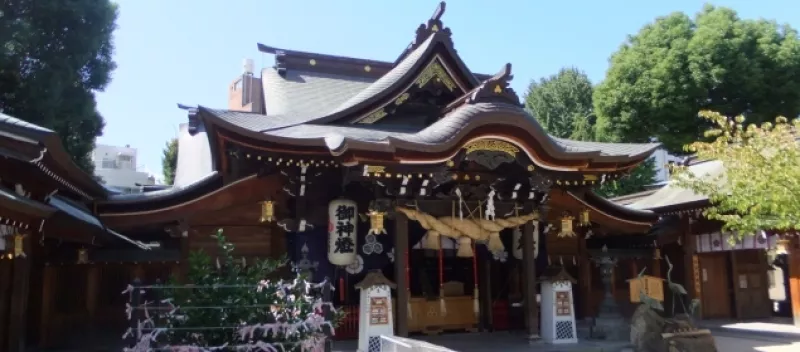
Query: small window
column 109, row 164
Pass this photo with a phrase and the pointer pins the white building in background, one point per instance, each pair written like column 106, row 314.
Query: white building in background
column 117, row 168
column 662, row 159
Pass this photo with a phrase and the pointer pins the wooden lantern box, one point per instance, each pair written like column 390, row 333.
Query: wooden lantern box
column 652, row 286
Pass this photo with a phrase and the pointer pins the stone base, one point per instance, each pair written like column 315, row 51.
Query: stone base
column 610, row 328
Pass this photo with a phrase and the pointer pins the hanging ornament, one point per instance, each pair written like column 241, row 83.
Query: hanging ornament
column 372, row 246
column 566, row 226
column 782, row 246
column 500, row 256
column 583, row 219
column 267, row 211
column 376, row 226
column 517, row 243
column 390, row 254
column 18, row 246
column 342, row 230
column 356, row 266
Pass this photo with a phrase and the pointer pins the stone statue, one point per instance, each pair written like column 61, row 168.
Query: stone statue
column 652, row 332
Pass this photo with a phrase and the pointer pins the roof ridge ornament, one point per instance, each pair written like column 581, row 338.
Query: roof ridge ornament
column 496, row 88
column 425, row 30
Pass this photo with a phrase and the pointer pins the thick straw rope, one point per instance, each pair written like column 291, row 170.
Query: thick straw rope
column 465, row 230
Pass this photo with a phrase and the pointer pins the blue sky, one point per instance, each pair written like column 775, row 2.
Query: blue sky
column 182, row 51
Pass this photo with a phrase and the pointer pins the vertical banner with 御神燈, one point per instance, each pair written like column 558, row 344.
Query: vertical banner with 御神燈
column 342, row 231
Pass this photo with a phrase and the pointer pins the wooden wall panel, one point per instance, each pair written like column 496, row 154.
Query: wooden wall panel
column 248, row 241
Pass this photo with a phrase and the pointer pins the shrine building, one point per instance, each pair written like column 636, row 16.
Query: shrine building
column 419, row 168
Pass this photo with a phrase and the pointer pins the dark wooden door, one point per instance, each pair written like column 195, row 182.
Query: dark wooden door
column 715, row 279
column 750, row 283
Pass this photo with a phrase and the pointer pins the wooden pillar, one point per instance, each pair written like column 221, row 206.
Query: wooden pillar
column 691, row 264
column 529, row 280
column 19, row 299
column 485, row 289
column 401, row 257
column 48, row 296
column 737, row 309
column 92, row 287
column 794, row 278
column 585, row 277
column 6, row 267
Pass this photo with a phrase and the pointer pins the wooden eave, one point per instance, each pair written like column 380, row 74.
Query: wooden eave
column 248, row 190
column 489, row 125
column 160, row 199
column 54, row 160
column 566, row 201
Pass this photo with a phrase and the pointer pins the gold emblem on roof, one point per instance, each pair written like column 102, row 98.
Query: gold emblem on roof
column 435, row 70
column 434, row 28
column 498, row 89
column 374, row 116
column 367, row 68
column 312, row 62
column 492, row 146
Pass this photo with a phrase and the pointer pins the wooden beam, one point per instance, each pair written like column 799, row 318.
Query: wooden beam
column 401, row 251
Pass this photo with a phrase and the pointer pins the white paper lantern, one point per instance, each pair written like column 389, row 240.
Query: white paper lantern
column 342, row 231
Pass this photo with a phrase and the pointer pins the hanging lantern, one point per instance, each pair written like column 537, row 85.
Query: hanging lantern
column 83, row 256
column 566, row 226
column 18, row 246
column 517, row 243
column 376, row 226
column 584, row 220
column 342, row 230
column 267, row 211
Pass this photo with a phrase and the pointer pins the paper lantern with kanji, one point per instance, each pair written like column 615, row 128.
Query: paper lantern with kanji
column 342, row 231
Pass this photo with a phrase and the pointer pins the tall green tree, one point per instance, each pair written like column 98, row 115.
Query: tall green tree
column 55, row 56
column 678, row 65
column 169, row 161
column 759, row 188
column 562, row 103
column 641, row 176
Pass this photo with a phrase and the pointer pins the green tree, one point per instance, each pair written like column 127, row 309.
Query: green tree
column 169, row 161
column 641, row 176
column 759, row 188
column 677, row 65
column 562, row 103
column 55, row 55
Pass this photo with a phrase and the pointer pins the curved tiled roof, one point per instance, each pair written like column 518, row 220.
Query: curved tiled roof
column 672, row 195
column 16, row 128
column 439, row 136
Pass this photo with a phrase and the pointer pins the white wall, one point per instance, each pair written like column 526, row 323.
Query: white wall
column 117, row 166
column 662, row 158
